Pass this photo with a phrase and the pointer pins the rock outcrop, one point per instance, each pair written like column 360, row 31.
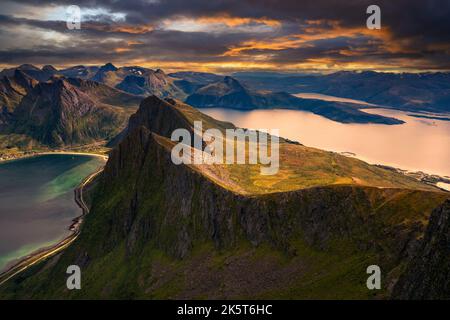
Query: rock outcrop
column 427, row 275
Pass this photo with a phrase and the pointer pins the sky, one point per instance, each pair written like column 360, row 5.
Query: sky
column 229, row 36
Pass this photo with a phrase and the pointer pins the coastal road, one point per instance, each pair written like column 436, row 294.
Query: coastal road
column 45, row 253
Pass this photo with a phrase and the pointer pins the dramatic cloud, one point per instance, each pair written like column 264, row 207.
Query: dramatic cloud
column 229, row 35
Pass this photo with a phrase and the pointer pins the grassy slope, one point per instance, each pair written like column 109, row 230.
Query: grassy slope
column 300, row 167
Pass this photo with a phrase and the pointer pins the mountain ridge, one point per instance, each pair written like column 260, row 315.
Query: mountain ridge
column 155, row 229
column 58, row 114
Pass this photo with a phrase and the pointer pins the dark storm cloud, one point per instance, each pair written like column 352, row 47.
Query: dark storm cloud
column 411, row 30
column 405, row 17
column 10, row 21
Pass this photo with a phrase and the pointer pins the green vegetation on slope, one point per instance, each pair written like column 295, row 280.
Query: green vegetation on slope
column 157, row 230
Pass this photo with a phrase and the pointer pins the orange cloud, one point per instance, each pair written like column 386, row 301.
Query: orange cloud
column 237, row 21
column 130, row 44
column 120, row 50
column 316, row 30
column 316, row 64
column 124, row 28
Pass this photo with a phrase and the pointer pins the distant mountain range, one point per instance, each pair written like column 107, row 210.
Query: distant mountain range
column 60, row 111
column 403, row 91
column 123, row 88
column 134, row 80
column 157, row 230
column 230, row 93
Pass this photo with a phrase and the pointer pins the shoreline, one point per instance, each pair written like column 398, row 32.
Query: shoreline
column 431, row 179
column 427, row 178
column 44, row 153
column 41, row 254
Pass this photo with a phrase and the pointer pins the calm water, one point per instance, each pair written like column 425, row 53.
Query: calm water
column 36, row 201
column 418, row 144
column 318, row 96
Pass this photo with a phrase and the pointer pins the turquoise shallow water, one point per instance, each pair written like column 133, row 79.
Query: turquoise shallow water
column 36, row 201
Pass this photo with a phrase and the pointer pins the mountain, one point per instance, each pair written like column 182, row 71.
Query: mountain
column 82, row 72
column 59, row 114
column 151, row 83
column 50, row 69
column 103, row 73
column 403, row 91
column 225, row 92
column 13, row 88
column 111, row 107
column 201, row 78
column 31, row 71
column 411, row 92
column 230, row 93
column 106, row 94
column 138, row 81
column 158, row 230
column 190, row 81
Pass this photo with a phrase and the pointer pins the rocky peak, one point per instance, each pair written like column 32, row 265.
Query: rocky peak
column 108, row 67
column 101, row 74
column 27, row 66
column 157, row 79
column 233, row 83
column 24, row 80
column 49, row 68
column 159, row 116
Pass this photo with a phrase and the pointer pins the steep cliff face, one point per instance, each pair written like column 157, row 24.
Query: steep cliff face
column 160, row 230
column 427, row 275
column 158, row 116
column 176, row 206
column 164, row 116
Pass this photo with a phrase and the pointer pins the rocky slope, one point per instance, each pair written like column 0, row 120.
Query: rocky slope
column 106, row 94
column 13, row 88
column 31, row 71
column 427, row 274
column 58, row 113
column 101, row 111
column 158, row 230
